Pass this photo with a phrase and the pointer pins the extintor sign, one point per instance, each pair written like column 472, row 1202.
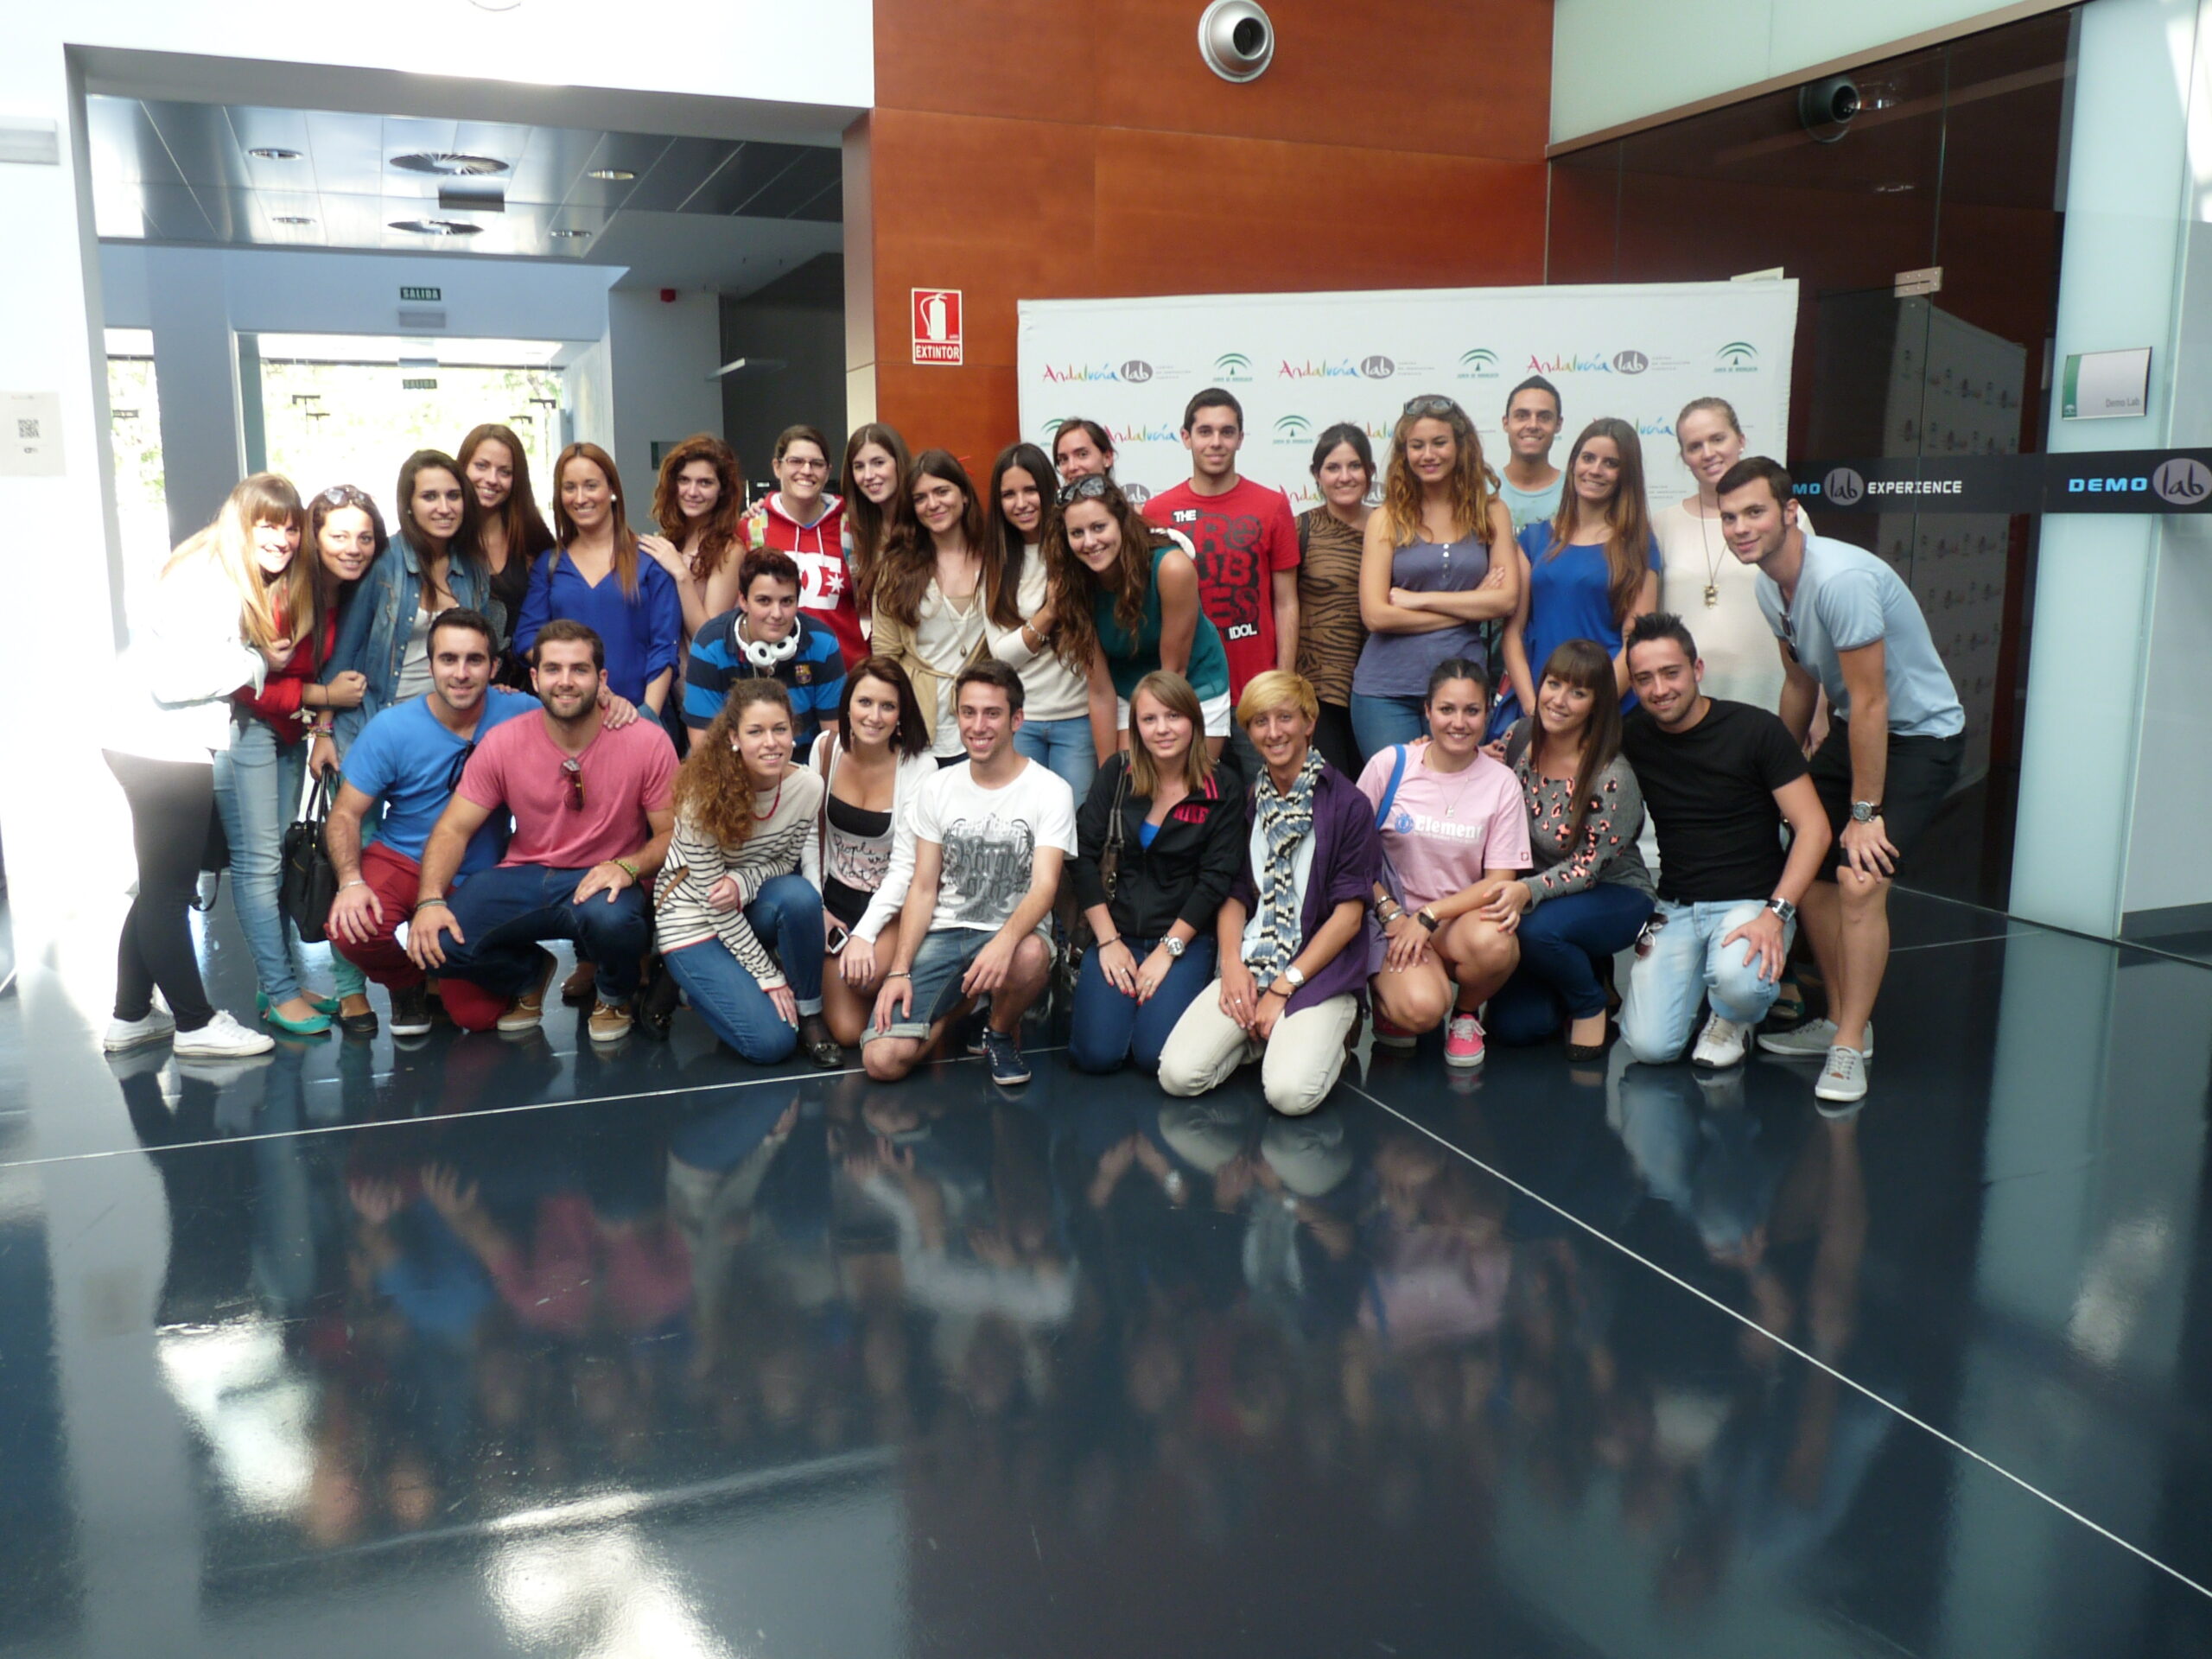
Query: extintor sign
column 937, row 326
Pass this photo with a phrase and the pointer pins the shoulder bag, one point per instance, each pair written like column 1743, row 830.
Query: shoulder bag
column 308, row 883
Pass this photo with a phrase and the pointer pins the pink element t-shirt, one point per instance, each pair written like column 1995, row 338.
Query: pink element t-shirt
column 626, row 774
column 1445, row 829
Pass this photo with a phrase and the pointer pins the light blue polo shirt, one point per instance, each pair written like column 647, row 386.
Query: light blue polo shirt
column 1846, row 599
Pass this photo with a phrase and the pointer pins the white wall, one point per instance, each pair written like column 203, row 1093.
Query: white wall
column 661, row 357
column 1620, row 60
column 587, row 400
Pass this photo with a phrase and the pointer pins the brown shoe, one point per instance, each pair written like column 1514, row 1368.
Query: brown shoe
column 580, row 986
column 609, row 1022
column 525, row 1013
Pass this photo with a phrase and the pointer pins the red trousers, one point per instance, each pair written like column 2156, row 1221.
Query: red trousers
column 396, row 878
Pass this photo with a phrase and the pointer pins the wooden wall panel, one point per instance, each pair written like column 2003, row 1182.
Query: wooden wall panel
column 1025, row 150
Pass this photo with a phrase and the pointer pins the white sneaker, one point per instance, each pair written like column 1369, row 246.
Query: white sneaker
column 1721, row 1043
column 123, row 1034
column 1812, row 1040
column 1843, row 1080
column 223, row 1038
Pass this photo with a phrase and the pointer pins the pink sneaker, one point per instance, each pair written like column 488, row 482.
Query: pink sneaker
column 1390, row 1035
column 1463, row 1042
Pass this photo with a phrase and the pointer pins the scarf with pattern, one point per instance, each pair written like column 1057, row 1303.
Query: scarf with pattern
column 1285, row 820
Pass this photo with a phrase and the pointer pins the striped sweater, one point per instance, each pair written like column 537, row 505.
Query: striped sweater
column 786, row 839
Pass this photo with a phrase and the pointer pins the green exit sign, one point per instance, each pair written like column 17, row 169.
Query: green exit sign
column 419, row 385
column 421, row 294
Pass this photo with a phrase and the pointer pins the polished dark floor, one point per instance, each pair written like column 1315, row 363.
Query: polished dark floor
column 489, row 1346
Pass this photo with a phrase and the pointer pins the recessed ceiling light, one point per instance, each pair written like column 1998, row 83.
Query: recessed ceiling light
column 271, row 153
column 289, row 219
column 437, row 226
column 449, row 164
column 566, row 231
column 612, row 174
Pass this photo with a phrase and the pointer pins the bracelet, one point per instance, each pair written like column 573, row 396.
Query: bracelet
column 627, row 868
column 424, row 903
column 899, row 973
column 1103, row 943
column 355, row 882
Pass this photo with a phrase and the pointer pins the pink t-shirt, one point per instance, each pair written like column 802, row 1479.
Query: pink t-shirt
column 626, row 774
column 1445, row 829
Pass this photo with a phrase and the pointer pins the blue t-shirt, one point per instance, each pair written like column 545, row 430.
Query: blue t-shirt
column 409, row 762
column 642, row 632
column 1570, row 597
column 814, row 675
column 1847, row 599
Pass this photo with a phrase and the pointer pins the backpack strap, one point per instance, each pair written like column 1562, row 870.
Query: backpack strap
column 1399, row 752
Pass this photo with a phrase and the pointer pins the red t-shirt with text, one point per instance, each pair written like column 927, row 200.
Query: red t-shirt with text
column 1243, row 537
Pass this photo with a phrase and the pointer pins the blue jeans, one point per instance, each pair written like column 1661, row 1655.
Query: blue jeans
column 1687, row 963
column 787, row 917
column 1562, row 941
column 1378, row 722
column 1109, row 1029
column 1063, row 748
column 257, row 791
column 505, row 913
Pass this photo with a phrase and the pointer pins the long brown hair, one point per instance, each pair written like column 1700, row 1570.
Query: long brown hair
column 1627, row 515
column 1007, row 543
column 1075, row 587
column 1173, row 690
column 713, row 787
column 911, row 737
column 1583, row 665
column 910, row 553
column 466, row 546
column 268, row 611
column 1474, row 485
column 719, row 533
column 871, row 526
column 527, row 536
column 625, row 541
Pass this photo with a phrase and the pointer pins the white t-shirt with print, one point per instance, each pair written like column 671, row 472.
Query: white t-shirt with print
column 990, row 837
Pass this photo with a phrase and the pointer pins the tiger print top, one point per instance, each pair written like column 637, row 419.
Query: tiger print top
column 1329, row 629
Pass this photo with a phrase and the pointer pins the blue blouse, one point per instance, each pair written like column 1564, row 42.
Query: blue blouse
column 643, row 632
column 1570, row 597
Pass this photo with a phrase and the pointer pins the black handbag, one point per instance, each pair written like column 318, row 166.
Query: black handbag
column 309, row 884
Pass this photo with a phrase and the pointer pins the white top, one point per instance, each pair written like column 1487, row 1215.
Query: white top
column 171, row 692
column 990, row 837
column 1741, row 661
column 1049, row 688
column 945, row 635
column 914, row 770
column 415, row 664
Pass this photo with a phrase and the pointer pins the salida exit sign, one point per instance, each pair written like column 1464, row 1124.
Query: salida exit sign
column 421, row 294
column 937, row 326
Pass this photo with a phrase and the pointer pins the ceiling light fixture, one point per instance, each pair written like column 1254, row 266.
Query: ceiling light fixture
column 612, row 174
column 437, row 227
column 449, row 164
column 566, row 231
column 272, row 153
column 289, row 219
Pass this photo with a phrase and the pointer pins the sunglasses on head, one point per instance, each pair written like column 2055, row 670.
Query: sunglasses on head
column 344, row 495
column 1432, row 406
column 1092, row 487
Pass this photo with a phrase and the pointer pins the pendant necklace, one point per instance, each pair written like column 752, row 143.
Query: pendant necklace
column 1711, row 565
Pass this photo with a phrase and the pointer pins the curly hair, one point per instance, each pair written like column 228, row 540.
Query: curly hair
column 1474, row 485
column 713, row 790
column 718, row 534
column 1074, row 587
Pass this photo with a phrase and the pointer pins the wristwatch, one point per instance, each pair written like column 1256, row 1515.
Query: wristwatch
column 1292, row 978
column 1784, row 911
column 1427, row 918
column 1865, row 812
column 1173, row 946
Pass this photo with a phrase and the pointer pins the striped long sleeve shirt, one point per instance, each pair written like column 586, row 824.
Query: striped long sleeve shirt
column 783, row 842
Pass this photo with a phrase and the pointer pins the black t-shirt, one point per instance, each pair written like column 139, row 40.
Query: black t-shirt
column 1710, row 792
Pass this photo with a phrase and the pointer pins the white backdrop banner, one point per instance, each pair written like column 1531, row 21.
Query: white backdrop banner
column 1300, row 363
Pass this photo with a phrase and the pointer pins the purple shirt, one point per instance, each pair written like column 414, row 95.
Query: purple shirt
column 1347, row 858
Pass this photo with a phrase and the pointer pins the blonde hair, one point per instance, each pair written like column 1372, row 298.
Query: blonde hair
column 1273, row 688
column 1173, row 693
column 267, row 610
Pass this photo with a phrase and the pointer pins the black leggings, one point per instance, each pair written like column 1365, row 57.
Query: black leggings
column 172, row 819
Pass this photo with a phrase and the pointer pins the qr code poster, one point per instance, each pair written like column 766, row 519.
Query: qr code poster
column 30, row 434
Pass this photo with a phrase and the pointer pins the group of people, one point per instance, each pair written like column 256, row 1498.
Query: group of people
column 884, row 756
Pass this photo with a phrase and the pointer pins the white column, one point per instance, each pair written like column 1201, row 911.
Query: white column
column 196, row 374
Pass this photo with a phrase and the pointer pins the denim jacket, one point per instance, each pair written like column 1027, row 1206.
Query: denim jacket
column 374, row 632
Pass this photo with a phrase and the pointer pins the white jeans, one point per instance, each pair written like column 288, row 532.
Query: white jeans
column 1687, row 964
column 1298, row 1064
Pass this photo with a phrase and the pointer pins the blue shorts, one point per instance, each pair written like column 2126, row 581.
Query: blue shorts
column 939, row 966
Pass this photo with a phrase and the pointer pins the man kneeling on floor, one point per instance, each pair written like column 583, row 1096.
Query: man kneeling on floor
column 593, row 813
column 989, row 836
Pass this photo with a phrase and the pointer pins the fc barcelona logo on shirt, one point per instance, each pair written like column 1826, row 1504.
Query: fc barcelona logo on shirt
column 804, row 673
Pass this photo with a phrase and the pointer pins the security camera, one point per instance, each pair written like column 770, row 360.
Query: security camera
column 1236, row 39
column 1827, row 108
